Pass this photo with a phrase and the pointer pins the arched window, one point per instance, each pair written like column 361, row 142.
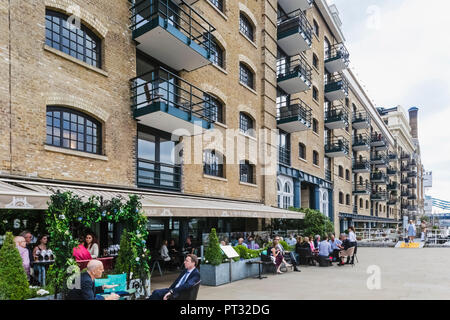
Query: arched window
column 315, row 61
column 213, row 163
column 367, row 204
column 341, row 198
column 279, row 196
column 247, row 172
column 67, row 128
column 315, row 94
column 341, row 172
column 315, row 125
column 246, row 124
column 217, row 52
column 246, row 27
column 347, row 199
column 302, row 151
column 347, row 175
column 316, row 158
column 288, row 196
column 361, row 203
column 81, row 43
column 316, row 27
column 327, row 48
column 246, row 76
column 214, row 108
column 361, row 181
column 218, row 4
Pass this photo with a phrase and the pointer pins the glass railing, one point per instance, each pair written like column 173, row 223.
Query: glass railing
column 184, row 18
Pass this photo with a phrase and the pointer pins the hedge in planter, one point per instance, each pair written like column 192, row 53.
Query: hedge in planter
column 213, row 253
column 127, row 254
column 13, row 279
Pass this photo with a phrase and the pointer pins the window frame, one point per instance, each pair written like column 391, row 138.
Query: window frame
column 218, row 4
column 247, row 130
column 215, row 169
column 246, row 76
column 302, row 151
column 316, row 160
column 72, row 112
column 315, row 94
column 214, row 104
column 246, row 27
column 67, row 33
column 247, row 166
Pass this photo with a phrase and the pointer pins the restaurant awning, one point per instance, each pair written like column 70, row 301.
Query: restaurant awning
column 36, row 194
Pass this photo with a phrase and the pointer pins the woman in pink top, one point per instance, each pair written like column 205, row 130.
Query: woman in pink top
column 21, row 245
column 80, row 252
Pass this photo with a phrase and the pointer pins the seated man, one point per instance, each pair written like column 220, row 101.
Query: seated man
column 325, row 249
column 87, row 289
column 188, row 247
column 335, row 246
column 347, row 249
column 186, row 280
column 242, row 243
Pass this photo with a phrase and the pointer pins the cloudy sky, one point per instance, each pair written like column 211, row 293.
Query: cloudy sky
column 400, row 52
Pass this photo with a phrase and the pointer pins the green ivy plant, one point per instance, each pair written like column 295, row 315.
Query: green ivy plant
column 67, row 213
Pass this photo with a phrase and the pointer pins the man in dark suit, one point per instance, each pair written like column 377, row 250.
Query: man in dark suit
column 87, row 289
column 186, row 280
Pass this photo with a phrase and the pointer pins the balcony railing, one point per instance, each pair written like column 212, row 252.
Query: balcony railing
column 361, row 165
column 336, row 58
column 392, row 186
column 336, row 118
column 294, row 32
column 361, row 120
column 284, row 156
column 412, row 197
column 159, row 175
column 405, row 194
column 361, row 142
column 378, row 141
column 392, row 201
column 412, row 174
column 412, row 186
column 364, row 188
column 336, row 87
column 405, row 156
column 162, row 91
column 183, row 30
column 412, row 208
column 379, row 159
column 378, row 195
column 392, row 157
column 327, row 175
column 291, row 5
column 378, row 177
column 337, row 147
column 391, row 171
column 294, row 116
column 294, row 74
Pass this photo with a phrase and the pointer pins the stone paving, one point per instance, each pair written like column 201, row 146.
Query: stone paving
column 404, row 274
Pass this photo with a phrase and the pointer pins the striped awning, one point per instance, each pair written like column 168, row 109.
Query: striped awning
column 21, row 194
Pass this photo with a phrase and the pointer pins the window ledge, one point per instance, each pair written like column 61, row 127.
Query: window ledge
column 75, row 153
column 220, row 68
column 218, row 11
column 247, row 136
column 207, row 176
column 248, row 184
column 304, row 160
column 248, row 39
column 315, row 165
column 316, row 101
column 219, row 124
column 315, row 133
column 79, row 62
column 247, row 87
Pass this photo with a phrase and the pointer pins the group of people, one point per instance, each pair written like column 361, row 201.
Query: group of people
column 328, row 249
column 30, row 253
column 172, row 254
column 88, row 247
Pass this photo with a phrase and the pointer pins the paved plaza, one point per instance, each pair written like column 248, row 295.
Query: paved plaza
column 404, row 274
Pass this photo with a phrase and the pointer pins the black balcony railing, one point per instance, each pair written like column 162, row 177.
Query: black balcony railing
column 379, row 195
column 336, row 82
column 404, row 156
column 361, row 164
column 378, row 176
column 335, row 114
column 391, row 171
column 378, row 158
column 162, row 86
column 362, row 188
column 412, row 197
column 159, row 175
column 294, row 66
column 392, row 186
column 338, row 51
column 183, row 17
column 284, row 156
column 412, row 208
column 392, row 201
column 404, row 181
column 295, row 110
column 412, row 174
column 292, row 23
column 339, row 144
column 361, row 116
column 378, row 138
column 327, row 175
column 405, row 193
column 392, row 157
column 412, row 186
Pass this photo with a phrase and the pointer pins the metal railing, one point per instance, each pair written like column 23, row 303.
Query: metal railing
column 295, row 20
column 336, row 82
column 338, row 144
column 362, row 188
column 295, row 109
column 158, row 174
column 412, row 174
column 379, row 195
column 378, row 138
column 376, row 176
column 391, row 171
column 327, row 175
column 287, row 66
column 378, row 157
column 361, row 116
column 404, row 156
column 284, row 156
column 392, row 186
column 161, row 85
column 361, row 164
column 338, row 51
column 334, row 114
column 392, row 156
column 361, row 140
column 184, row 18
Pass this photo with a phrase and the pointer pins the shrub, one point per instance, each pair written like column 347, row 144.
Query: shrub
column 213, row 253
column 13, row 279
column 245, row 253
column 317, row 223
column 127, row 256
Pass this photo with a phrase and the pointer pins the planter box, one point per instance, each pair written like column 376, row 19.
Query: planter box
column 49, row 297
column 218, row 275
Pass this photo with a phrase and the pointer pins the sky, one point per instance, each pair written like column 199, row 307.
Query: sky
column 399, row 50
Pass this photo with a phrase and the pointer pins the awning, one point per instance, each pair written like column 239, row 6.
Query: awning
column 36, row 194
column 361, row 218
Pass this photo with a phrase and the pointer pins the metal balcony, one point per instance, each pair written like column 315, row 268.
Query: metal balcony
column 292, row 5
column 404, row 181
column 412, row 186
column 378, row 196
column 391, row 171
column 412, row 197
column 159, row 175
column 284, row 156
column 336, row 88
column 379, row 142
column 294, row 74
column 337, row 58
column 162, row 100
column 294, row 32
column 412, row 174
column 294, row 116
column 379, row 160
column 405, row 194
column 405, row 156
column 412, row 208
column 392, row 157
column 392, row 186
column 362, row 188
column 337, row 147
column 176, row 35
column 361, row 120
column 360, row 166
column 378, row 178
column 361, row 142
column 392, row 201
column 336, row 118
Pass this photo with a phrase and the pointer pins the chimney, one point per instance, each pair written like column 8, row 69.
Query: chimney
column 413, row 121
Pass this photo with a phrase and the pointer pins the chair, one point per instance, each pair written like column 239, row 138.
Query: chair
column 305, row 257
column 189, row 294
column 120, row 279
column 267, row 261
column 155, row 261
column 324, row 261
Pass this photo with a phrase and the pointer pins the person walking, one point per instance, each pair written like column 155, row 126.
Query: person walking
column 411, row 231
